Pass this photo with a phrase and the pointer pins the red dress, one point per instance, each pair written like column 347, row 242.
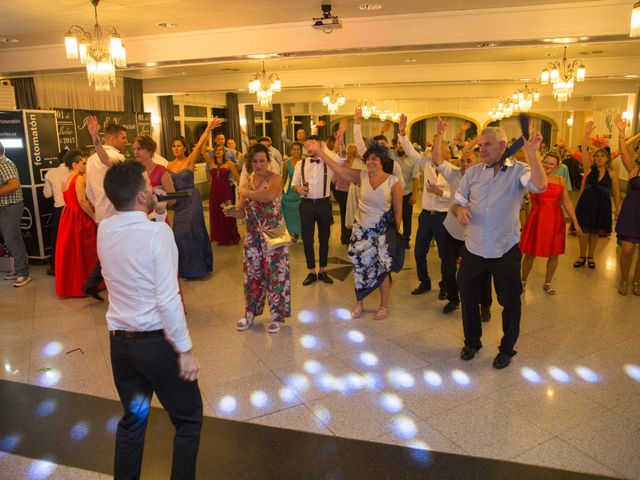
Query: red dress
column 76, row 248
column 544, row 232
column 155, row 178
column 223, row 230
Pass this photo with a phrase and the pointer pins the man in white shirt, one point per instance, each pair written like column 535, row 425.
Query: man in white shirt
column 53, row 181
column 151, row 350
column 436, row 199
column 312, row 180
column 115, row 140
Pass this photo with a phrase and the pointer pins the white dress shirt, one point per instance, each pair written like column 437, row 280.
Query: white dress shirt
column 94, row 177
column 139, row 261
column 430, row 201
column 452, row 175
column 314, row 174
column 53, row 181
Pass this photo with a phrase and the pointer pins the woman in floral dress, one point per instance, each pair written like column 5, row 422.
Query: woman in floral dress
column 266, row 272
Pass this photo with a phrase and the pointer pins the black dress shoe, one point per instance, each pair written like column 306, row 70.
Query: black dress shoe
column 501, row 361
column 312, row 277
column 450, row 307
column 468, row 353
column 442, row 294
column 93, row 293
column 422, row 288
column 485, row 313
column 324, row 277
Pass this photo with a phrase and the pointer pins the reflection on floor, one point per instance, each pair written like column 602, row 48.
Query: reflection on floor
column 569, row 400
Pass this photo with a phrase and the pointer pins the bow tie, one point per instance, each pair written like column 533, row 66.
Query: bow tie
column 315, row 160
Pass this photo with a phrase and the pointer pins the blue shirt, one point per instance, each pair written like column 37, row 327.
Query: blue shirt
column 494, row 202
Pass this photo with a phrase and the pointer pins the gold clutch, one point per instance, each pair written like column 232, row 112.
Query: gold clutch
column 276, row 237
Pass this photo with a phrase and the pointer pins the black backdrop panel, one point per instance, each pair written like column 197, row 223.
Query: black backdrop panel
column 143, row 122
column 126, row 119
column 12, row 132
column 28, row 225
column 43, row 142
column 66, row 128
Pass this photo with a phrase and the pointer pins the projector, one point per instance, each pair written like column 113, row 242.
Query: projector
column 327, row 22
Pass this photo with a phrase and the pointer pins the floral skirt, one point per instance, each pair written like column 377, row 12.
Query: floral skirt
column 369, row 253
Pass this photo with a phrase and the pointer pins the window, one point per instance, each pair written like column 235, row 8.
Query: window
column 195, row 111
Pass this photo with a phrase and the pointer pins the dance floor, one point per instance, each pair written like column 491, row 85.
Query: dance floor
column 358, row 398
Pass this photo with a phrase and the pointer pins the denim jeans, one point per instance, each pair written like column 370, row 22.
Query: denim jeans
column 10, row 217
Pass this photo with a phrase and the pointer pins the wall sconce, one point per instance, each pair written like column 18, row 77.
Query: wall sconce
column 570, row 121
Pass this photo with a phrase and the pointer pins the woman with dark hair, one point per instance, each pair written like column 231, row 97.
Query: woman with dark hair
column 628, row 224
column 265, row 270
column 76, row 248
column 594, row 206
column 544, row 232
column 195, row 257
column 379, row 205
column 222, row 229
column 291, row 197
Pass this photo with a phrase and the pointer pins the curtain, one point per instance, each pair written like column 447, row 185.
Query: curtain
column 167, row 125
column 306, row 124
column 249, row 115
column 132, row 88
column 324, row 131
column 418, row 133
column 25, row 93
column 276, row 127
column 73, row 91
column 545, row 130
column 511, row 126
column 636, row 124
column 233, row 118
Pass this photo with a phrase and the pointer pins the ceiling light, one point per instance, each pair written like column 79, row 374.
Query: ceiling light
column 263, row 56
column 562, row 74
column 631, row 76
column 487, row 44
column 264, row 86
column 333, row 101
column 634, row 29
column 411, row 60
column 327, row 22
column 370, row 6
column 570, row 121
column 561, row 40
column 167, row 25
column 100, row 57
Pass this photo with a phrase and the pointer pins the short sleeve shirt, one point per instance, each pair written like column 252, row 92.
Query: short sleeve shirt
column 8, row 171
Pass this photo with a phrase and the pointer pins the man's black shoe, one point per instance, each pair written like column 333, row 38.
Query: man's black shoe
column 51, row 272
column 93, row 293
column 312, row 277
column 407, row 244
column 485, row 313
column 450, row 307
column 324, row 277
column 442, row 294
column 468, row 353
column 501, row 361
column 422, row 288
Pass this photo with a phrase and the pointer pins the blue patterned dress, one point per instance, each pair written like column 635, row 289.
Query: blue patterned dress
column 195, row 257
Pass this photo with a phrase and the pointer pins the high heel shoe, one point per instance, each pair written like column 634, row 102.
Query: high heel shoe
column 382, row 313
column 549, row 289
column 357, row 312
column 636, row 288
column 580, row 262
column 623, row 289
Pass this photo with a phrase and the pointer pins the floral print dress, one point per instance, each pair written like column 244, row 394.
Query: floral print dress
column 266, row 274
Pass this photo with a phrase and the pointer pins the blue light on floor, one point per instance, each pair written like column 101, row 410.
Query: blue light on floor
column 309, row 341
column 323, row 414
column 559, row 375
column 391, row 402
column 404, row 427
column 49, row 378
column 46, row 408
column 228, row 404
column 342, row 314
column 461, row 378
column 355, row 381
column 79, row 431
column 313, row 367
column 8, row 444
column 306, row 316
column 355, row 336
column 287, row 395
column 587, row 374
column 372, row 381
column 633, row 371
column 112, row 424
column 530, row 375
column 326, row 382
column 296, row 382
column 369, row 359
column 41, row 469
column 433, row 379
column 52, row 349
column 259, row 399
column 420, row 452
column 400, row 378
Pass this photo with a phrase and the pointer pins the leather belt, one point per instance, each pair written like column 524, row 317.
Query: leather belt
column 315, row 200
column 433, row 212
column 137, row 335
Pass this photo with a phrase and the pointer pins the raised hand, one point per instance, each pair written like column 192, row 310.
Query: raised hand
column 402, row 125
column 441, row 126
column 93, row 127
column 464, row 126
column 357, row 117
column 589, row 127
column 621, row 123
column 342, row 128
column 533, row 144
column 313, row 147
column 385, row 127
column 285, row 122
column 214, row 123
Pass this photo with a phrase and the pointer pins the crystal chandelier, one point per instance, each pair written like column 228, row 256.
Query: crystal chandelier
column 333, row 101
column 562, row 75
column 100, row 57
column 368, row 110
column 524, row 97
column 264, row 86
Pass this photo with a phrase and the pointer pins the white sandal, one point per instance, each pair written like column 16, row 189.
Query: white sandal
column 273, row 327
column 549, row 289
column 243, row 324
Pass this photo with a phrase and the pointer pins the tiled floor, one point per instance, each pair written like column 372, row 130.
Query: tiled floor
column 570, row 399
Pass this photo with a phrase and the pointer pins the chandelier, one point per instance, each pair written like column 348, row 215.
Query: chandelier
column 100, row 57
column 521, row 101
column 368, row 110
column 562, row 75
column 264, row 86
column 333, row 101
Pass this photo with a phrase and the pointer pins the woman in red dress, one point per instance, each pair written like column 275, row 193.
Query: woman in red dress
column 143, row 149
column 76, row 253
column 222, row 229
column 544, row 232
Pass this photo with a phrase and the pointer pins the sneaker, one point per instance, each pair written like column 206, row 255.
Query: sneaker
column 22, row 281
column 11, row 276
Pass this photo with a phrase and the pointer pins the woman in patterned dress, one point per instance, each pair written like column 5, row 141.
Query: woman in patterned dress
column 266, row 272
